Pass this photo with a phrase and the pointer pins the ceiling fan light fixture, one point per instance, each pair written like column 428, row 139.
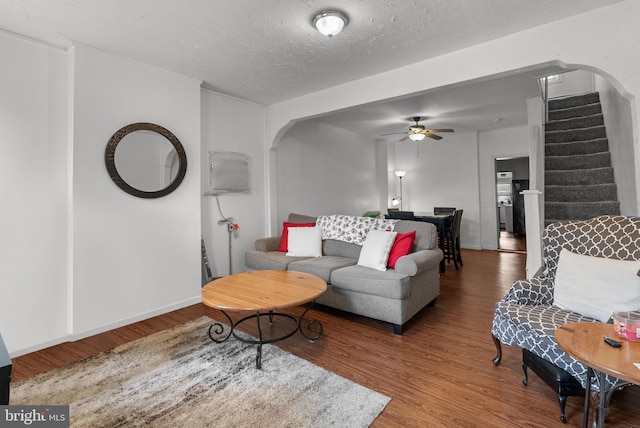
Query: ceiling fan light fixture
column 330, row 22
column 416, row 137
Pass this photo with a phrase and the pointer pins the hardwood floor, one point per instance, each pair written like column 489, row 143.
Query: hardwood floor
column 438, row 373
column 512, row 242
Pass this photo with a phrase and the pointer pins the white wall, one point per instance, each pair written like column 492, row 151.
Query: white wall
column 584, row 40
column 233, row 125
column 132, row 257
column 444, row 174
column 507, row 142
column 33, row 190
column 325, row 170
column 617, row 111
column 80, row 256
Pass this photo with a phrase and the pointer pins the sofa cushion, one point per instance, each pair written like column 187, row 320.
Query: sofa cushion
column 376, row 249
column 284, row 240
column 301, row 218
column 321, row 266
column 401, row 247
column 426, row 233
column 305, row 242
column 596, row 287
column 269, row 260
column 361, row 279
column 333, row 247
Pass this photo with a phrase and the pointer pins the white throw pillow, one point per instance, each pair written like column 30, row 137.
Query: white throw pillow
column 595, row 286
column 376, row 248
column 305, row 242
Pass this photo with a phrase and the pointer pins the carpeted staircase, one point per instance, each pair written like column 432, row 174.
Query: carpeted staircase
column 579, row 182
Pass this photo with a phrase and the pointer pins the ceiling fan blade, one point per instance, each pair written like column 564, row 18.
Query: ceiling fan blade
column 440, row 130
column 403, row 138
column 393, row 133
column 434, row 136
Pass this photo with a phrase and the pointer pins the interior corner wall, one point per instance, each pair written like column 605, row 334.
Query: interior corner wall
column 324, row 170
column 618, row 120
column 441, row 173
column 506, row 142
column 33, row 189
column 224, row 128
column 132, row 258
column 382, row 165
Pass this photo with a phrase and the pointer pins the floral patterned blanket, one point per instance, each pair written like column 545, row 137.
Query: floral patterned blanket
column 352, row 229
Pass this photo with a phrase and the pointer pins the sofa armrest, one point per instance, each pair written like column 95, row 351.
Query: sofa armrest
column 417, row 262
column 532, row 291
column 268, row 244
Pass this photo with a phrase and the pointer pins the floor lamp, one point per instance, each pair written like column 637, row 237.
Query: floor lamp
column 401, row 174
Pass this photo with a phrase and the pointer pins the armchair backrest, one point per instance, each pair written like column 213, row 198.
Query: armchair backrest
column 611, row 237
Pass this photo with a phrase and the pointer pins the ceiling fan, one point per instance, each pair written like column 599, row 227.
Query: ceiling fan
column 417, row 132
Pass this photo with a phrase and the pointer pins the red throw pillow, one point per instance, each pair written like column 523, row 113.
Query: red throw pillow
column 285, row 234
column 401, row 247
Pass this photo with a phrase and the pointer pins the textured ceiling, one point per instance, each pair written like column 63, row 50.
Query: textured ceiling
column 267, row 51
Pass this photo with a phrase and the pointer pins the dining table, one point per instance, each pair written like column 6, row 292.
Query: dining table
column 442, row 223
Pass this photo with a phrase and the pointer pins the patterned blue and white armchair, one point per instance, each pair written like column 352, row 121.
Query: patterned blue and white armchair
column 526, row 316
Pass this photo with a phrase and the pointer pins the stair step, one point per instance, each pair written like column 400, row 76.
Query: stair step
column 585, row 193
column 579, row 111
column 575, row 123
column 574, row 101
column 579, row 177
column 552, row 137
column 577, row 147
column 580, row 210
column 588, row 161
column 579, row 180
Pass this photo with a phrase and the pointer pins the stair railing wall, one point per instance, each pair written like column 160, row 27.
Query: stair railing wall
column 534, row 232
column 618, row 119
column 534, row 210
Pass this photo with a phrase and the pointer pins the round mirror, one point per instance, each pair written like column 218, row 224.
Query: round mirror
column 145, row 160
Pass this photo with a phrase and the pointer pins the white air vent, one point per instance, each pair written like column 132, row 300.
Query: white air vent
column 229, row 172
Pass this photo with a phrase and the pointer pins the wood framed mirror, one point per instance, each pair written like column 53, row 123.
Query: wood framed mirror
column 145, row 160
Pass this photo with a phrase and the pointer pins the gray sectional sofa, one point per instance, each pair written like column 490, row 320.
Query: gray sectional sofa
column 392, row 296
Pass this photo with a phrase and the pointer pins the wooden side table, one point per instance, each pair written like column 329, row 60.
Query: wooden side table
column 584, row 341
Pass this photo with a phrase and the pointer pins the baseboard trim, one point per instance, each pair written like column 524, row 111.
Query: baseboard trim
column 107, row 327
column 39, row 346
column 134, row 319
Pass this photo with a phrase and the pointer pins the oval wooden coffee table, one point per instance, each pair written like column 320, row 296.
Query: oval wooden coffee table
column 262, row 293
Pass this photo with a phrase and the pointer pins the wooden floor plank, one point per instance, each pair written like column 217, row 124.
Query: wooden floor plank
column 438, row 373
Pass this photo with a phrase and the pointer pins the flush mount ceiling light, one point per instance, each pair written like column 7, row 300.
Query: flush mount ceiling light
column 330, row 22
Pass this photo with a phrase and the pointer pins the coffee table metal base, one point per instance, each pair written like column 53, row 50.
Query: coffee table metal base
column 311, row 331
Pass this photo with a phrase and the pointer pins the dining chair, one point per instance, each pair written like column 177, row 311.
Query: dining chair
column 452, row 240
column 443, row 210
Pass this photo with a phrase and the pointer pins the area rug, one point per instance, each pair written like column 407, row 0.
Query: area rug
column 180, row 378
